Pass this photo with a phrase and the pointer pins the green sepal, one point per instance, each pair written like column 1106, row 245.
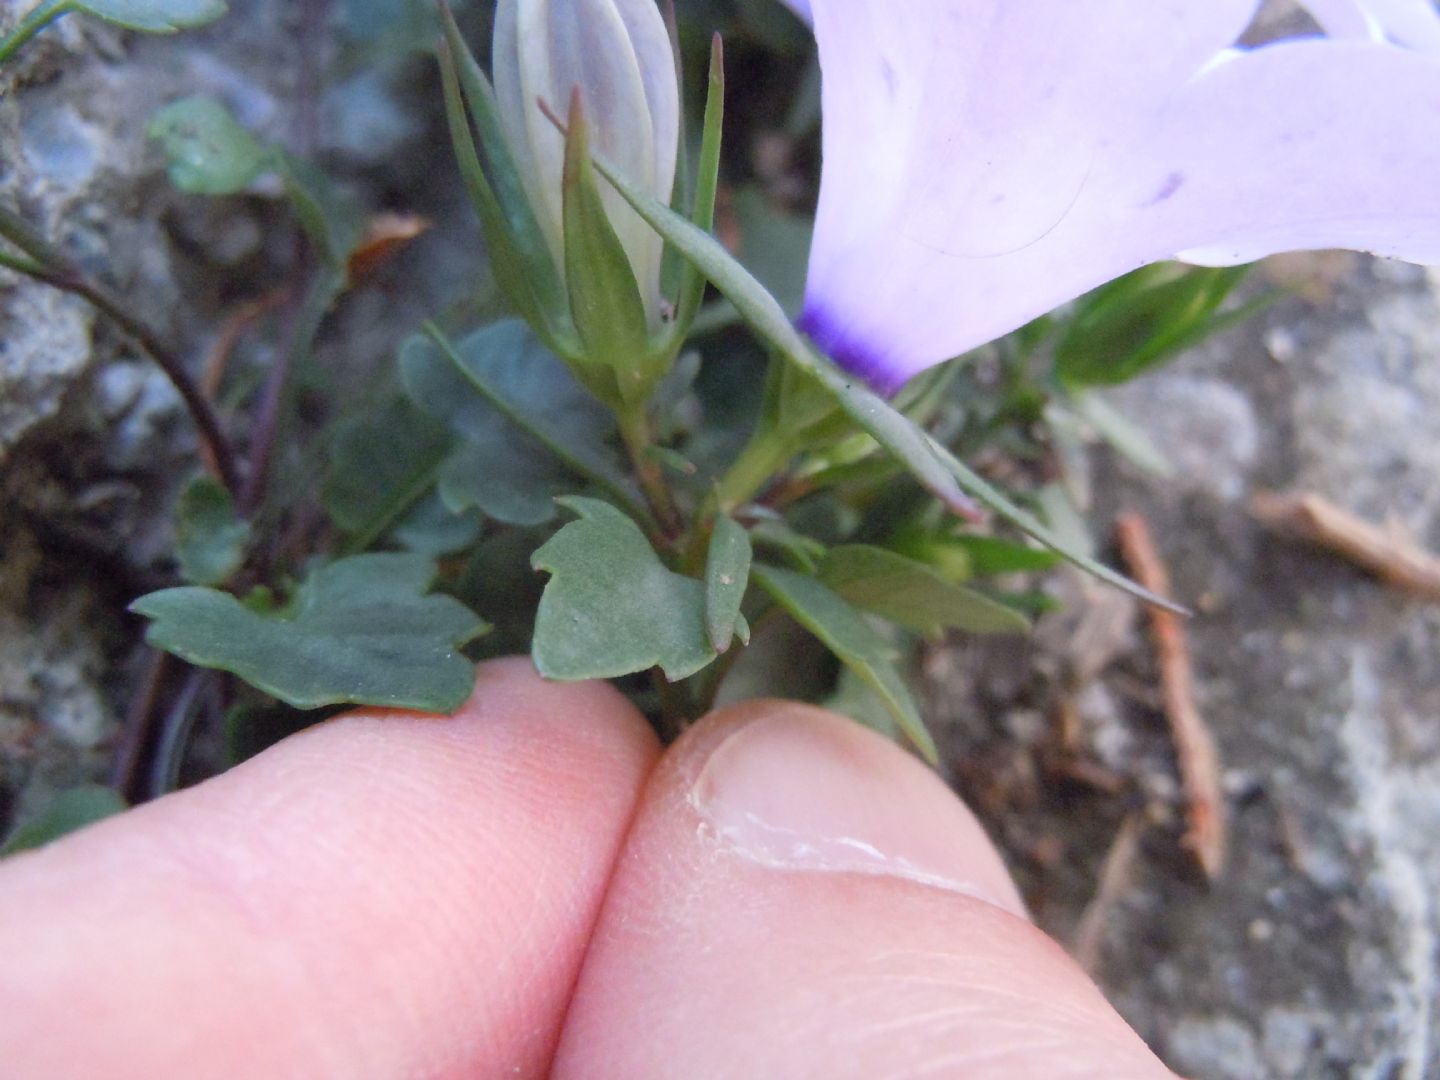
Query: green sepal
column 524, row 266
column 605, row 302
column 707, row 186
column 515, row 272
column 932, row 464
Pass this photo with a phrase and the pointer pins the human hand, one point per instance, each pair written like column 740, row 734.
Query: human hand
column 533, row 888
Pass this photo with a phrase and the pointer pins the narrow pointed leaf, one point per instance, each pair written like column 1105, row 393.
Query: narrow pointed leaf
column 932, row 464
column 604, row 298
column 991, row 497
column 501, row 174
column 707, row 184
column 845, row 632
column 727, row 573
column 759, row 309
column 912, row 595
column 611, row 606
column 1141, row 320
column 508, row 258
column 359, row 631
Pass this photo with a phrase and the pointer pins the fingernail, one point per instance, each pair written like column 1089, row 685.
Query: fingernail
column 797, row 788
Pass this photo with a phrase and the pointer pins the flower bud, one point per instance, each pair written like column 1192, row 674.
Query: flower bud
column 618, row 55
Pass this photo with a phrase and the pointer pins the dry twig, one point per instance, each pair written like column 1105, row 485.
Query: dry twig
column 1194, row 744
column 1115, row 875
column 1387, row 553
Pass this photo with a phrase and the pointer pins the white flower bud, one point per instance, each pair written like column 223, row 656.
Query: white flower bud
column 618, row 53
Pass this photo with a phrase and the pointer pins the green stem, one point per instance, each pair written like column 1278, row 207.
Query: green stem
column 20, row 264
column 40, row 16
column 763, row 456
column 635, row 433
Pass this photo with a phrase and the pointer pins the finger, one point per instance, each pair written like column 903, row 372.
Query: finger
column 388, row 895
column 799, row 897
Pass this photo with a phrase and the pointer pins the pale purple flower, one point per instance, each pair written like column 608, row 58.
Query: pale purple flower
column 988, row 160
column 1412, row 23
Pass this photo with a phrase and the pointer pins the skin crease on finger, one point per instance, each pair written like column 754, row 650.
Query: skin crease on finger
column 800, row 898
column 389, row 895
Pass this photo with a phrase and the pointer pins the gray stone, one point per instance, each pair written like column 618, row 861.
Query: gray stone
column 1314, row 955
column 44, row 349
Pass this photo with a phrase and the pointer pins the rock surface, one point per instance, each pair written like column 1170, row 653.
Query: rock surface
column 1314, row 954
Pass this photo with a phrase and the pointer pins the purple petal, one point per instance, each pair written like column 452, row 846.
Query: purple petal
column 988, row 160
column 957, row 133
column 801, row 8
column 1412, row 23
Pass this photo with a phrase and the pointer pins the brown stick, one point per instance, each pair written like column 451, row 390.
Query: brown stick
column 1195, row 750
column 1115, row 874
column 1393, row 558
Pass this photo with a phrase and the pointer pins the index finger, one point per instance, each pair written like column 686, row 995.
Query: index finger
column 387, row 895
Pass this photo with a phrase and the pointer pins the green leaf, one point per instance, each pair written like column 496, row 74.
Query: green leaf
column 611, row 606
column 71, row 809
column 912, row 595
column 604, row 298
column 334, row 222
column 358, row 631
column 1141, row 320
column 991, row 497
column 209, row 539
column 941, row 473
column 527, row 428
column 804, row 551
column 765, row 316
column 432, row 528
column 992, row 555
column 381, row 464
column 207, row 151
column 524, row 266
column 727, row 573
column 154, row 16
column 853, row 697
column 707, row 185
column 858, row 645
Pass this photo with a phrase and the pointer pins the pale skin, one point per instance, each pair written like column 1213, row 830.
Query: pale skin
column 534, row 888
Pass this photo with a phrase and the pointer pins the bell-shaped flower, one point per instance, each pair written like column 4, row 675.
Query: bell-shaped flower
column 617, row 53
column 988, row 160
column 1412, row 23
